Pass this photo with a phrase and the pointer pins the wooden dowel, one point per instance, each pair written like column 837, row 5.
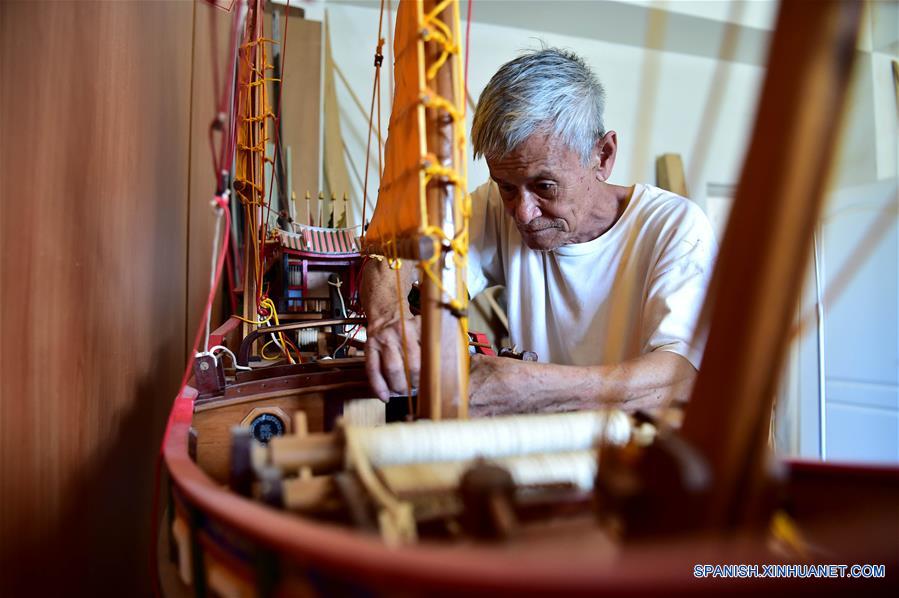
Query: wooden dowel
column 439, row 389
column 301, row 430
column 313, row 494
column 319, row 452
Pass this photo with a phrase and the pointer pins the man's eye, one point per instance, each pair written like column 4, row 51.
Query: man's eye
column 544, row 186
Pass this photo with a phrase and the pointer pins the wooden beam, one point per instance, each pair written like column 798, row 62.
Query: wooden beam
column 760, row 268
column 439, row 392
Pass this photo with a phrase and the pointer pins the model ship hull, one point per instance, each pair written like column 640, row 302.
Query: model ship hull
column 223, row 543
column 319, row 391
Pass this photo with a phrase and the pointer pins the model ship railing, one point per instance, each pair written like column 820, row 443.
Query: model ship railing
column 246, row 345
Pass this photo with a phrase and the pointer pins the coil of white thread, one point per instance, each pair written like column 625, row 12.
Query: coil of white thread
column 577, row 468
column 493, row 438
column 308, row 336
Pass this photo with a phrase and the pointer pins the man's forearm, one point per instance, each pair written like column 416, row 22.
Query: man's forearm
column 379, row 291
column 641, row 383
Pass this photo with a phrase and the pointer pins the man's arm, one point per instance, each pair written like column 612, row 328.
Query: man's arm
column 502, row 386
column 390, row 323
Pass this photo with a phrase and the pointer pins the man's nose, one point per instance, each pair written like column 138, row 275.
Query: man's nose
column 525, row 209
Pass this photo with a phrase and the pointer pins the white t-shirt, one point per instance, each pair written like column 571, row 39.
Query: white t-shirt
column 637, row 288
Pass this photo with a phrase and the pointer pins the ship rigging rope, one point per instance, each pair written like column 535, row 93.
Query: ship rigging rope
column 405, row 343
column 221, row 205
column 276, row 124
column 252, row 138
column 467, row 42
column 214, row 256
column 375, row 92
column 224, row 120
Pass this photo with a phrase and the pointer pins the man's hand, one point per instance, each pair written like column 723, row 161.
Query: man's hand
column 383, row 299
column 384, row 352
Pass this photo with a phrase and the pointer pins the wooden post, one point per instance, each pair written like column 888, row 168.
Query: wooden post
column 670, row 174
column 439, row 389
column 765, row 250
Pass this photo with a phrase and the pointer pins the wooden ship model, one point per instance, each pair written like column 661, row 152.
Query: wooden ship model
column 289, row 479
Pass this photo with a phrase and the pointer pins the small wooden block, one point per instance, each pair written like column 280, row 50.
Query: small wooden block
column 670, row 174
column 365, row 412
column 181, row 534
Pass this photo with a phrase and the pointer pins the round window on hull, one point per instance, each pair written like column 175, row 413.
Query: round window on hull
column 266, row 426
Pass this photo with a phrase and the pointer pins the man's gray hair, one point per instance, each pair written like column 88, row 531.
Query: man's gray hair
column 549, row 91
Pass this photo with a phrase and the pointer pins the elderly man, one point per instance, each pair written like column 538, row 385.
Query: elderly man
column 604, row 282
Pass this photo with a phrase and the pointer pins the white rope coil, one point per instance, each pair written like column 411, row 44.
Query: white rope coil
column 307, row 336
column 489, row 438
column 577, row 468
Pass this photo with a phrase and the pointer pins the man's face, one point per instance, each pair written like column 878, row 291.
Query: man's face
column 549, row 193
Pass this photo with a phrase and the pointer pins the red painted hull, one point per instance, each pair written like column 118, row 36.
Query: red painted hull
column 326, row 558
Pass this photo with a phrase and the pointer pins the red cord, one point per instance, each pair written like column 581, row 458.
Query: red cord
column 294, row 347
column 222, row 90
column 207, row 313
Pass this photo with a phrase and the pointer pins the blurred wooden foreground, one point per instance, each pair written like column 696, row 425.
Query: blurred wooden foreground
column 104, row 237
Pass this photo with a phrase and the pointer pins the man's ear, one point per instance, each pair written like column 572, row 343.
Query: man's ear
column 605, row 151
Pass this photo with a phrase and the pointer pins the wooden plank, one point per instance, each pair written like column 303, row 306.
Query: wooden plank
column 301, row 111
column 670, row 174
column 337, row 176
column 95, row 117
column 214, row 427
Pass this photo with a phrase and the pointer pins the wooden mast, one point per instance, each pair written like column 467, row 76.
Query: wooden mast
column 765, row 250
column 421, row 211
column 440, row 391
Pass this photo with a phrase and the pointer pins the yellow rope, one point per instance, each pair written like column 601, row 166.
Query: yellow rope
column 249, row 181
column 270, row 305
column 395, row 517
column 255, row 322
column 269, row 357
